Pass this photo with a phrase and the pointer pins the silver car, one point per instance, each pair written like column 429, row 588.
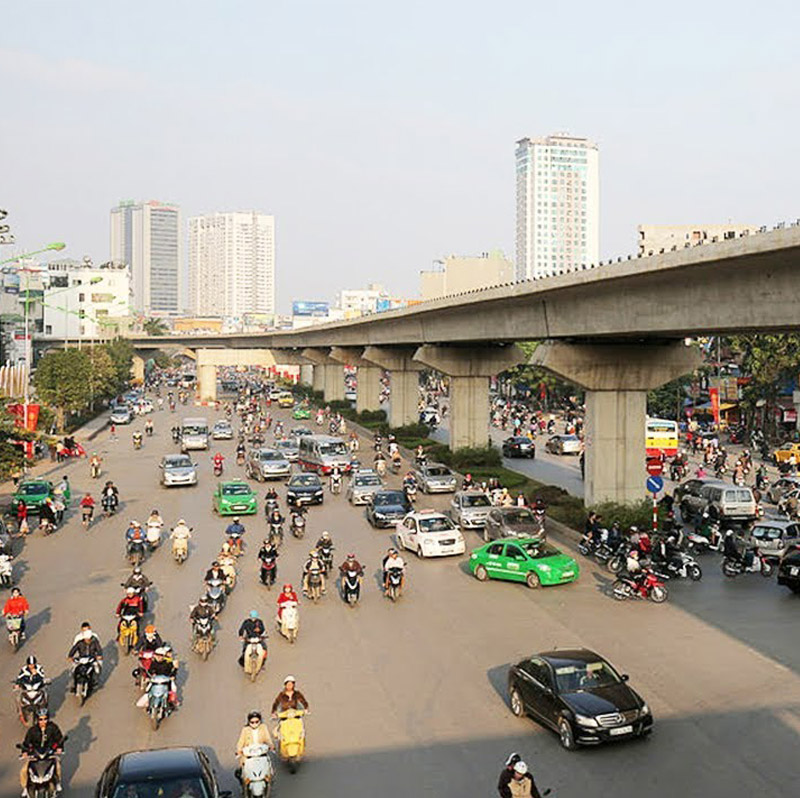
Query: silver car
column 121, row 415
column 470, row 508
column 781, row 487
column 222, row 431
column 177, row 469
column 264, row 464
column 774, row 536
column 435, row 478
column 289, row 449
column 364, row 484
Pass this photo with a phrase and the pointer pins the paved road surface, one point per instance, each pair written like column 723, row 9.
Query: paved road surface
column 408, row 699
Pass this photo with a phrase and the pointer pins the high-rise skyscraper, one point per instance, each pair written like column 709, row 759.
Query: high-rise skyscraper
column 232, row 264
column 558, row 205
column 147, row 237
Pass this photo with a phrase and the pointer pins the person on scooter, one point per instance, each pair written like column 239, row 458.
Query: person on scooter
column 17, row 606
column 268, row 554
column 87, row 506
column 140, row 583
column 468, row 483
column 164, row 665
column 325, row 544
column 518, row 783
column 200, row 610
column 218, row 459
column 131, row 600
column 150, row 640
column 148, row 428
column 287, row 596
column 289, row 698
column 44, row 737
column 31, row 674
column 254, row 733
column 352, row 564
column 214, row 572
column 275, row 521
column 252, row 626
column 86, row 646
column 393, row 560
column 235, row 531
column 313, row 563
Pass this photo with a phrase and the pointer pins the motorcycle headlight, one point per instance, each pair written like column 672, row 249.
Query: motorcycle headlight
column 585, row 720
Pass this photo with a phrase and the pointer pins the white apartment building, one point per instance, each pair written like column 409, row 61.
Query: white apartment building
column 558, row 205
column 232, row 264
column 653, row 238
column 80, row 300
column 146, row 236
column 356, row 302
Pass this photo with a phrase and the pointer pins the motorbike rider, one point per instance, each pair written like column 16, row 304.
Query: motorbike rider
column 218, row 459
column 164, row 664
column 515, row 780
column 393, row 560
column 235, row 532
column 44, row 737
column 314, row 564
column 227, row 562
column 85, row 646
column 134, row 534
column 254, row 733
column 379, row 463
column 214, row 572
column 275, row 521
column 181, row 532
column 268, row 553
column 289, row 698
column 87, row 505
column 137, row 439
column 335, row 476
column 110, row 493
column 352, row 564
column 17, row 606
column 468, row 483
column 148, row 427
column 131, row 600
column 149, row 641
column 668, row 550
column 200, row 610
column 241, row 450
column 251, row 627
column 140, row 583
column 154, row 519
column 94, row 464
column 730, row 549
column 325, row 542
column 31, row 674
column 287, row 598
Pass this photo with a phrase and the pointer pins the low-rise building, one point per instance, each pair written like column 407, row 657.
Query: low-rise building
column 657, row 238
column 456, row 274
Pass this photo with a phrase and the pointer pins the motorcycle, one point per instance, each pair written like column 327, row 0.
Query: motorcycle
column 135, row 552
column 650, row 587
column 158, row 699
column 14, row 628
column 6, row 570
column 216, row 595
column 143, row 671
column 137, row 441
column 397, row 465
column 326, row 558
column 380, row 468
column 128, row 632
column 336, row 484
column 180, row 549
column 270, row 504
column 42, row 772
column 268, row 572
column 410, row 489
column 298, row 525
column 87, row 513
column 94, row 469
column 218, row 469
column 110, row 503
column 292, row 737
column 276, row 534
column 153, row 534
column 176, row 436
column 228, row 566
column 684, row 566
column 257, row 771
column 255, row 654
column 759, row 564
column 351, row 587
column 290, row 621
column 240, row 458
column 236, row 542
column 315, row 585
column 395, row 578
column 203, row 631
column 85, row 671
column 31, row 697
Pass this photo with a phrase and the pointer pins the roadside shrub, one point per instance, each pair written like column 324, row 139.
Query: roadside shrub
column 474, row 456
column 639, row 513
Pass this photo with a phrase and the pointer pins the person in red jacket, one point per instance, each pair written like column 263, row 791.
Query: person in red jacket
column 288, row 595
column 131, row 599
column 17, row 605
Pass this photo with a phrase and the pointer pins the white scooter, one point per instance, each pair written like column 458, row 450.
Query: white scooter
column 154, row 534
column 257, row 771
column 5, row 570
column 290, row 621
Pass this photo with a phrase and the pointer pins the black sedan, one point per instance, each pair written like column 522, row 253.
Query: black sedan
column 519, row 446
column 580, row 696
column 387, row 506
column 789, row 569
column 304, row 489
column 162, row 771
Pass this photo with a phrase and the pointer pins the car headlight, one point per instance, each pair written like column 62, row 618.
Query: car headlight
column 644, row 711
column 584, row 720
column 380, row 515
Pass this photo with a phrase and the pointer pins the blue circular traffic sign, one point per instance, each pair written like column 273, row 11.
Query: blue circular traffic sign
column 655, row 484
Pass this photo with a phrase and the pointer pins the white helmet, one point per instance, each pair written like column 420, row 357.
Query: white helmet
column 521, row 768
column 291, row 679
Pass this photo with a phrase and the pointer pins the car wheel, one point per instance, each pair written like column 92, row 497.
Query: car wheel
column 486, row 535
column 565, row 734
column 481, row 574
column 515, row 701
column 532, row 580
column 419, row 552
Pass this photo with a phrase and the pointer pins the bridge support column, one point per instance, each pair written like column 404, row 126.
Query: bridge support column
column 307, row 374
column 469, row 370
column 331, row 375
column 137, row 368
column 369, row 376
column 617, row 378
column 206, row 375
column 404, row 372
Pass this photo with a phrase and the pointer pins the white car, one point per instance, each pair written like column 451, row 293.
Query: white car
column 143, row 406
column 274, row 394
column 430, row 534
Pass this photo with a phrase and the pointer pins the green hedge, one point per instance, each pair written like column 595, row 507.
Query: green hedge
column 639, row 514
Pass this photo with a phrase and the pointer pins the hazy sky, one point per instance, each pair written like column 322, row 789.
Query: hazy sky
column 381, row 135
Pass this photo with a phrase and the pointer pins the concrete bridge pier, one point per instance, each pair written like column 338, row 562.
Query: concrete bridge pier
column 288, row 357
column 208, row 360
column 616, row 378
column 137, row 367
column 469, row 369
column 404, row 372
column 331, row 377
column 369, row 376
column 307, row 374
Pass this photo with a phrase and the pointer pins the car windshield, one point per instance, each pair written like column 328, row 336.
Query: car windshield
column 304, row 480
column 286, row 445
column 154, row 787
column 569, row 437
column 367, row 479
column 537, row 551
column 236, row 490
column 222, row 425
column 475, row 500
column 738, row 496
column 513, row 517
column 194, row 429
column 180, row 461
column 32, row 488
column 267, row 455
column 386, row 499
column 439, row 523
column 333, row 449
column 575, row 677
column 438, row 471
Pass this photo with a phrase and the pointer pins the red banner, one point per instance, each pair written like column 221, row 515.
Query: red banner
column 713, row 395
column 28, row 423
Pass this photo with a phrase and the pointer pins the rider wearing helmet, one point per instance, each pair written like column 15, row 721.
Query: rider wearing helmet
column 287, row 596
column 140, row 583
column 515, row 780
column 289, row 698
column 149, row 641
column 254, row 733
column 252, row 626
column 31, row 677
column 313, row 563
column 44, row 736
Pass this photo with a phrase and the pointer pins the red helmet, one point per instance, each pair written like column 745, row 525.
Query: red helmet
column 287, row 586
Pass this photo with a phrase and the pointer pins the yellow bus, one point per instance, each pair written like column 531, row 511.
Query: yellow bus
column 661, row 435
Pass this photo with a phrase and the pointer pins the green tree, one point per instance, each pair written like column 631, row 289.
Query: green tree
column 62, row 381
column 102, row 375
column 11, row 456
column 121, row 353
column 155, row 327
column 556, row 389
column 667, row 401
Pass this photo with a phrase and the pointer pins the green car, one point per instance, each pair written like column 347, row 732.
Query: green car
column 526, row 560
column 32, row 493
column 301, row 412
column 234, row 497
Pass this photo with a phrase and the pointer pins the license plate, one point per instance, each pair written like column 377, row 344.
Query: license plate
column 794, row 571
column 620, row 730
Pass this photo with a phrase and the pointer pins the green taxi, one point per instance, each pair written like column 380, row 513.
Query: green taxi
column 526, row 560
column 234, row 497
column 32, row 493
column 301, row 411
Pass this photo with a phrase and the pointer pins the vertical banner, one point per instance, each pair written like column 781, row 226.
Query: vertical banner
column 713, row 395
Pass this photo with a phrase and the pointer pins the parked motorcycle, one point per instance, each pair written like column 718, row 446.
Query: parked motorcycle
column 650, row 587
